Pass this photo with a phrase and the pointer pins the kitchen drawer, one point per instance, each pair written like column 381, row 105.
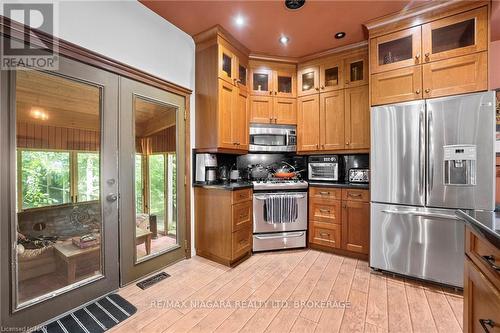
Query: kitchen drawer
column 242, row 242
column 484, row 255
column 324, row 234
column 242, row 195
column 356, row 195
column 242, row 215
column 481, row 302
column 324, row 193
column 328, row 211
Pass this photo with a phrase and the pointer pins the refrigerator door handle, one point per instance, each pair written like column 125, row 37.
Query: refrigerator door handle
column 421, row 151
column 430, row 152
column 423, row 214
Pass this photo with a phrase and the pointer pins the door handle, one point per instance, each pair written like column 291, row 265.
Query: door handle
column 491, row 262
column 488, row 322
column 423, row 214
column 112, row 197
column 285, row 235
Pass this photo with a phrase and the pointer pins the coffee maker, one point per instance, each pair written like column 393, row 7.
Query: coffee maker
column 206, row 168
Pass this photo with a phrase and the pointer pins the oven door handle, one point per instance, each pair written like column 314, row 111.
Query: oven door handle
column 297, row 196
column 288, row 234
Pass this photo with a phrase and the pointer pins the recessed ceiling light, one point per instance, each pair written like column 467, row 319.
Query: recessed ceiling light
column 284, row 40
column 340, row 35
column 239, row 21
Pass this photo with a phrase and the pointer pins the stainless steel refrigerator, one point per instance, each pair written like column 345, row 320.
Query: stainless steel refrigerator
column 429, row 158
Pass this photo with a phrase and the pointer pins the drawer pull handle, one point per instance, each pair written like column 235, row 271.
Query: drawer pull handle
column 487, row 322
column 324, row 193
column 324, row 210
column 243, row 215
column 491, row 261
column 355, row 195
column 243, row 241
column 323, row 234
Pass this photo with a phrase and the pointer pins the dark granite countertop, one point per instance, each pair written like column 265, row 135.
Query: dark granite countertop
column 341, row 185
column 485, row 223
column 225, row 186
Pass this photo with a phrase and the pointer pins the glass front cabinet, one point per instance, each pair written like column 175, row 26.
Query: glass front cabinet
column 356, row 71
column 396, row 50
column 454, row 36
column 331, row 76
column 308, row 80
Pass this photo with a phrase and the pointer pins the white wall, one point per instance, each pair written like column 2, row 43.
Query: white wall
column 129, row 32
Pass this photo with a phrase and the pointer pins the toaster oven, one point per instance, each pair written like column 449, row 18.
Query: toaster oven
column 323, row 167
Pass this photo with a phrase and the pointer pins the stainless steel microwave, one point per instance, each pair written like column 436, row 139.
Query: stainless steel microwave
column 273, row 138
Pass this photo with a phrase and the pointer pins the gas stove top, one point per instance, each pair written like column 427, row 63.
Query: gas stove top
column 279, row 184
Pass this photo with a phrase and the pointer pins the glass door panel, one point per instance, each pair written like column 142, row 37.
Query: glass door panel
column 262, row 81
column 396, row 50
column 457, row 35
column 226, row 65
column 285, row 84
column 308, row 81
column 331, row 76
column 62, row 153
column 356, row 71
column 150, row 181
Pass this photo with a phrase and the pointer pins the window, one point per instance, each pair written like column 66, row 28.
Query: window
column 45, row 178
column 157, row 187
column 88, row 176
column 50, row 178
column 139, row 193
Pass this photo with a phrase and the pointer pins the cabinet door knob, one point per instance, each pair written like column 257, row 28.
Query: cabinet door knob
column 270, row 93
column 347, row 143
column 417, row 91
column 317, row 146
column 417, row 56
column 322, row 87
column 317, row 89
column 271, row 120
column 346, row 81
column 427, row 55
column 427, row 90
column 276, row 93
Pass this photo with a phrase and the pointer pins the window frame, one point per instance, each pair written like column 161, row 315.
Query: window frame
column 73, row 177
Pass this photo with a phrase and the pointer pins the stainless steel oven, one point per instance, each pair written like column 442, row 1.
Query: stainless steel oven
column 280, row 218
column 272, row 138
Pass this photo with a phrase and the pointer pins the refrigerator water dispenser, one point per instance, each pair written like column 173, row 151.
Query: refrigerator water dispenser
column 460, row 164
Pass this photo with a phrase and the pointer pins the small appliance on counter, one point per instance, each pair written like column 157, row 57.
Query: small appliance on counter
column 206, row 168
column 359, row 175
column 323, row 167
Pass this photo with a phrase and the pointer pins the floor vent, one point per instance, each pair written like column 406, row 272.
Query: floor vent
column 97, row 317
column 152, row 280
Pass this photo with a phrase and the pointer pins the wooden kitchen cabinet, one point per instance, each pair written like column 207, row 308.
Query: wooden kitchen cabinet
column 331, row 75
column 308, row 80
column 456, row 75
column 399, row 85
column 284, row 83
column 261, row 82
column 285, row 110
column 446, row 54
column 356, row 70
column 340, row 219
column 222, row 107
column 396, row 50
column 273, row 110
column 308, row 120
column 457, row 35
column 331, row 120
column 223, row 224
column 357, row 118
column 261, row 109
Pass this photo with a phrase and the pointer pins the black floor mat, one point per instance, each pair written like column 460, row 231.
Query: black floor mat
column 97, row 317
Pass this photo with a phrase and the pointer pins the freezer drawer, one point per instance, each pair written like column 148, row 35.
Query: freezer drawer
column 398, row 153
column 279, row 241
column 418, row 242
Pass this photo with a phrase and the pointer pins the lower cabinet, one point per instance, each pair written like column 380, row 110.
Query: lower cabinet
column 223, row 224
column 340, row 219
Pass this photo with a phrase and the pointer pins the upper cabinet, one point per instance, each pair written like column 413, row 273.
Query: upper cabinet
column 222, row 85
column 439, row 50
column 273, row 93
column 395, row 50
column 356, row 69
column 456, row 35
column 308, row 80
column 331, row 75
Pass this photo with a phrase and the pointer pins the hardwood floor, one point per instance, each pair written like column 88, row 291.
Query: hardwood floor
column 304, row 291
